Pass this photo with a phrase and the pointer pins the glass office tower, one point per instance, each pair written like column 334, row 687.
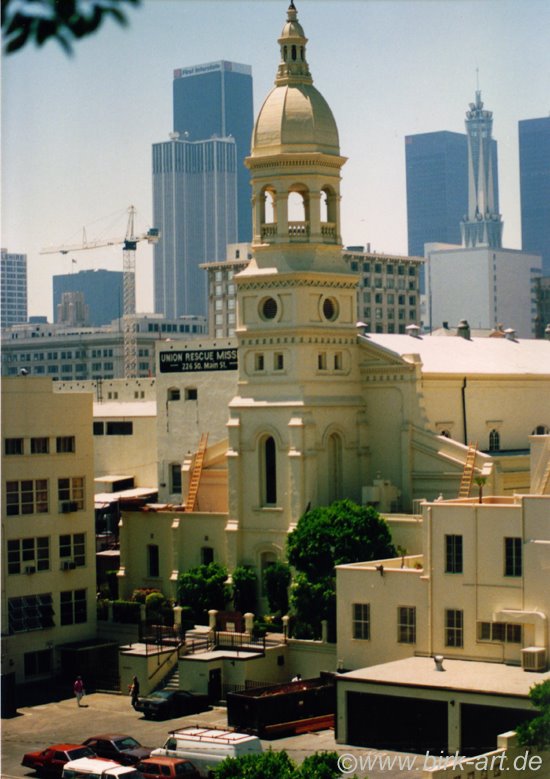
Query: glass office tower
column 214, row 100
column 437, row 187
column 102, row 290
column 534, row 174
column 195, row 209
column 13, row 306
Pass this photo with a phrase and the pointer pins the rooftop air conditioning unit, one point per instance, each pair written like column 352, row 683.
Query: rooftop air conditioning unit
column 30, row 569
column 68, row 565
column 533, row 658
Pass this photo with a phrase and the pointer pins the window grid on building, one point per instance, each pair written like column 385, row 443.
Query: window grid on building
column 513, row 557
column 29, row 496
column 361, row 620
column 503, row 632
column 28, row 555
column 453, row 554
column 454, row 627
column 71, row 490
column 72, row 607
column 30, row 612
column 406, row 624
column 72, row 548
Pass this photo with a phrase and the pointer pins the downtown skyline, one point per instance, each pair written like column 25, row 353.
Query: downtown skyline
column 78, row 131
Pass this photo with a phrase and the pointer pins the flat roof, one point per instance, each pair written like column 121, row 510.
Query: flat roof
column 464, row 675
column 466, row 357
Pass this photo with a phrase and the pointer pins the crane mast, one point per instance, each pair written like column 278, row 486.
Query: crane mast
column 129, row 245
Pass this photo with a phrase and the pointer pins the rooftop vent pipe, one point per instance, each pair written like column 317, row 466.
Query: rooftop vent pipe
column 463, row 329
column 510, row 333
column 413, row 330
column 438, row 660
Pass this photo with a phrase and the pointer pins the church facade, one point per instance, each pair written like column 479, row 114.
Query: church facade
column 312, row 408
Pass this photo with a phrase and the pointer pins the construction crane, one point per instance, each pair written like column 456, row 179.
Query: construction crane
column 129, row 244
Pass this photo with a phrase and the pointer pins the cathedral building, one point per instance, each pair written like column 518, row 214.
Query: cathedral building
column 301, row 406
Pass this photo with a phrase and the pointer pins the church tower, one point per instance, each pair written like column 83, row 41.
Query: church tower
column 295, row 427
column 483, row 225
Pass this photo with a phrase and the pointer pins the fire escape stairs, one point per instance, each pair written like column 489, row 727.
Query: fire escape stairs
column 196, row 474
column 468, row 472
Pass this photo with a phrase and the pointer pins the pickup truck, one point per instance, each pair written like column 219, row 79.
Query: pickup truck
column 98, row 768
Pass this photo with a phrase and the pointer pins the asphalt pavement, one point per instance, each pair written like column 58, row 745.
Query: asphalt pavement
column 61, row 721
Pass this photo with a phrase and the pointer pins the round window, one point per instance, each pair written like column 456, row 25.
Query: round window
column 330, row 309
column 269, row 308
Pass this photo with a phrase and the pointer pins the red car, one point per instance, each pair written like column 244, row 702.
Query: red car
column 167, row 768
column 50, row 761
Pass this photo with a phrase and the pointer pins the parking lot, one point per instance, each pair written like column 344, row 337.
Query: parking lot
column 39, row 725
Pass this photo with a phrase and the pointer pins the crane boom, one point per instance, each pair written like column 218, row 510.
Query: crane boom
column 129, row 245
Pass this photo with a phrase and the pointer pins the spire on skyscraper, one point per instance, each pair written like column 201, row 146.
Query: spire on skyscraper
column 482, row 226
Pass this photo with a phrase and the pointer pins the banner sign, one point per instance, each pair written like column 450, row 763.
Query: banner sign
column 198, row 360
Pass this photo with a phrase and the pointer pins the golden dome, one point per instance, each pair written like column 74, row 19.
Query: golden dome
column 298, row 118
column 295, row 117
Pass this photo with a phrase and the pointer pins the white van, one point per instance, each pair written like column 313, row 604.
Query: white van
column 97, row 768
column 206, row 747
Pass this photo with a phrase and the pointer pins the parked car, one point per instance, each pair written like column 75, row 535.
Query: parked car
column 113, row 746
column 171, row 703
column 167, row 768
column 50, row 761
column 98, row 768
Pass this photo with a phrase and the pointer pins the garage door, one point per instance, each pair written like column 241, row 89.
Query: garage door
column 396, row 723
column 480, row 726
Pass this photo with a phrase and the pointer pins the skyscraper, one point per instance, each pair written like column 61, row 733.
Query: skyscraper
column 195, row 209
column 102, row 290
column 214, row 100
column 482, row 226
column 201, row 190
column 14, row 288
column 437, row 188
column 534, row 174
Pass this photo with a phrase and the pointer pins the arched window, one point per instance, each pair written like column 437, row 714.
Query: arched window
column 296, row 207
column 494, row 441
column 269, row 471
column 335, row 486
column 541, row 430
column 269, row 215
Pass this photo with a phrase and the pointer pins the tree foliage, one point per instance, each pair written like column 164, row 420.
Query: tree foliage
column 276, row 582
column 278, row 765
column 203, row 588
column 536, row 732
column 245, row 582
column 37, row 21
column 311, row 602
column 343, row 532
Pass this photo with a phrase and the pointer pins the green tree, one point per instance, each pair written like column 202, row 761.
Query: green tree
column 203, row 588
column 341, row 533
column 536, row 732
column 311, row 602
column 276, row 582
column 278, row 765
column 38, row 21
column 245, row 583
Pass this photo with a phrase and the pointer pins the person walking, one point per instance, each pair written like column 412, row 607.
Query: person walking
column 134, row 691
column 78, row 688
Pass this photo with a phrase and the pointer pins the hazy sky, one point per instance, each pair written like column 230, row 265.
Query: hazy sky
column 77, row 131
